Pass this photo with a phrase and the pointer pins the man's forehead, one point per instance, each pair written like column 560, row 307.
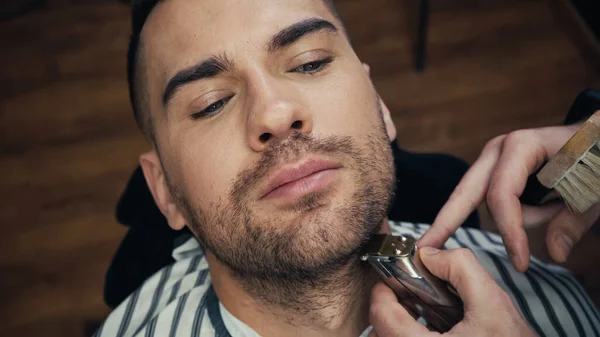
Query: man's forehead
column 208, row 26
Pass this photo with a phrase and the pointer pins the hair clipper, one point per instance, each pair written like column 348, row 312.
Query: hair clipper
column 396, row 260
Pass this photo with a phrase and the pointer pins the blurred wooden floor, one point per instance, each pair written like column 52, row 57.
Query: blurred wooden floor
column 68, row 141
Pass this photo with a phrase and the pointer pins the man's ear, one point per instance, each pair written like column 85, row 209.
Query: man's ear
column 157, row 182
column 367, row 69
column 387, row 116
column 390, row 127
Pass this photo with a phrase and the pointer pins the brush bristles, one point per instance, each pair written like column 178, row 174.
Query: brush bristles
column 580, row 188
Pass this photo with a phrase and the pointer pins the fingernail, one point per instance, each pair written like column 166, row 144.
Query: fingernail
column 565, row 244
column 429, row 250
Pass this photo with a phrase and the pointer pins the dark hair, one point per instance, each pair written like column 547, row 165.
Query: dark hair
column 140, row 10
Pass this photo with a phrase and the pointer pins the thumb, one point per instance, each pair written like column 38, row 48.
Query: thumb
column 566, row 229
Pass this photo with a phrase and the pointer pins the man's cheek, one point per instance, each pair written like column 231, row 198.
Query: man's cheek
column 340, row 120
column 197, row 178
column 213, row 181
column 354, row 101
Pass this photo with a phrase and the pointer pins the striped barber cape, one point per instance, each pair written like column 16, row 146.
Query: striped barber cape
column 179, row 299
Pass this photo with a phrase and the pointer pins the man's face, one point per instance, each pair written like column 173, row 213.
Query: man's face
column 269, row 131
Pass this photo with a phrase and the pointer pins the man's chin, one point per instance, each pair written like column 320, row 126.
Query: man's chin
column 329, row 234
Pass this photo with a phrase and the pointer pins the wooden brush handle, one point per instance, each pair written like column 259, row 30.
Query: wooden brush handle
column 570, row 154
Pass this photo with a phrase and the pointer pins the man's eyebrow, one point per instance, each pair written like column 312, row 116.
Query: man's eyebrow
column 219, row 64
column 293, row 33
column 206, row 69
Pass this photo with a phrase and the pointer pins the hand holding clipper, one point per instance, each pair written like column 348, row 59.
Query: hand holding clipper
column 488, row 309
column 396, row 260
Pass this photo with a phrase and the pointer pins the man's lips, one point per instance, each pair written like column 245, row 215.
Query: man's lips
column 300, row 178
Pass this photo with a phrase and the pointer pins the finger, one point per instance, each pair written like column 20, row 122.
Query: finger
column 463, row 271
column 467, row 196
column 534, row 216
column 389, row 318
column 381, row 292
column 523, row 152
column 552, row 195
column 566, row 229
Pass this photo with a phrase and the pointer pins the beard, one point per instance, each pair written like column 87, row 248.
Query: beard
column 281, row 261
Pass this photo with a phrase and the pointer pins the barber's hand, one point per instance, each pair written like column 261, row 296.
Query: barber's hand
column 498, row 178
column 488, row 309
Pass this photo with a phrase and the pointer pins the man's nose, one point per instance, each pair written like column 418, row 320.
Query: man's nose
column 276, row 116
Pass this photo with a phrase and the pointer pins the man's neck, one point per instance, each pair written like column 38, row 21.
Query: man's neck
column 333, row 308
column 336, row 306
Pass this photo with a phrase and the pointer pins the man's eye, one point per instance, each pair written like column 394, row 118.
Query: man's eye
column 211, row 109
column 313, row 67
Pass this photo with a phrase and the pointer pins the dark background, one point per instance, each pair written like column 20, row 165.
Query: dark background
column 68, row 142
column 590, row 12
